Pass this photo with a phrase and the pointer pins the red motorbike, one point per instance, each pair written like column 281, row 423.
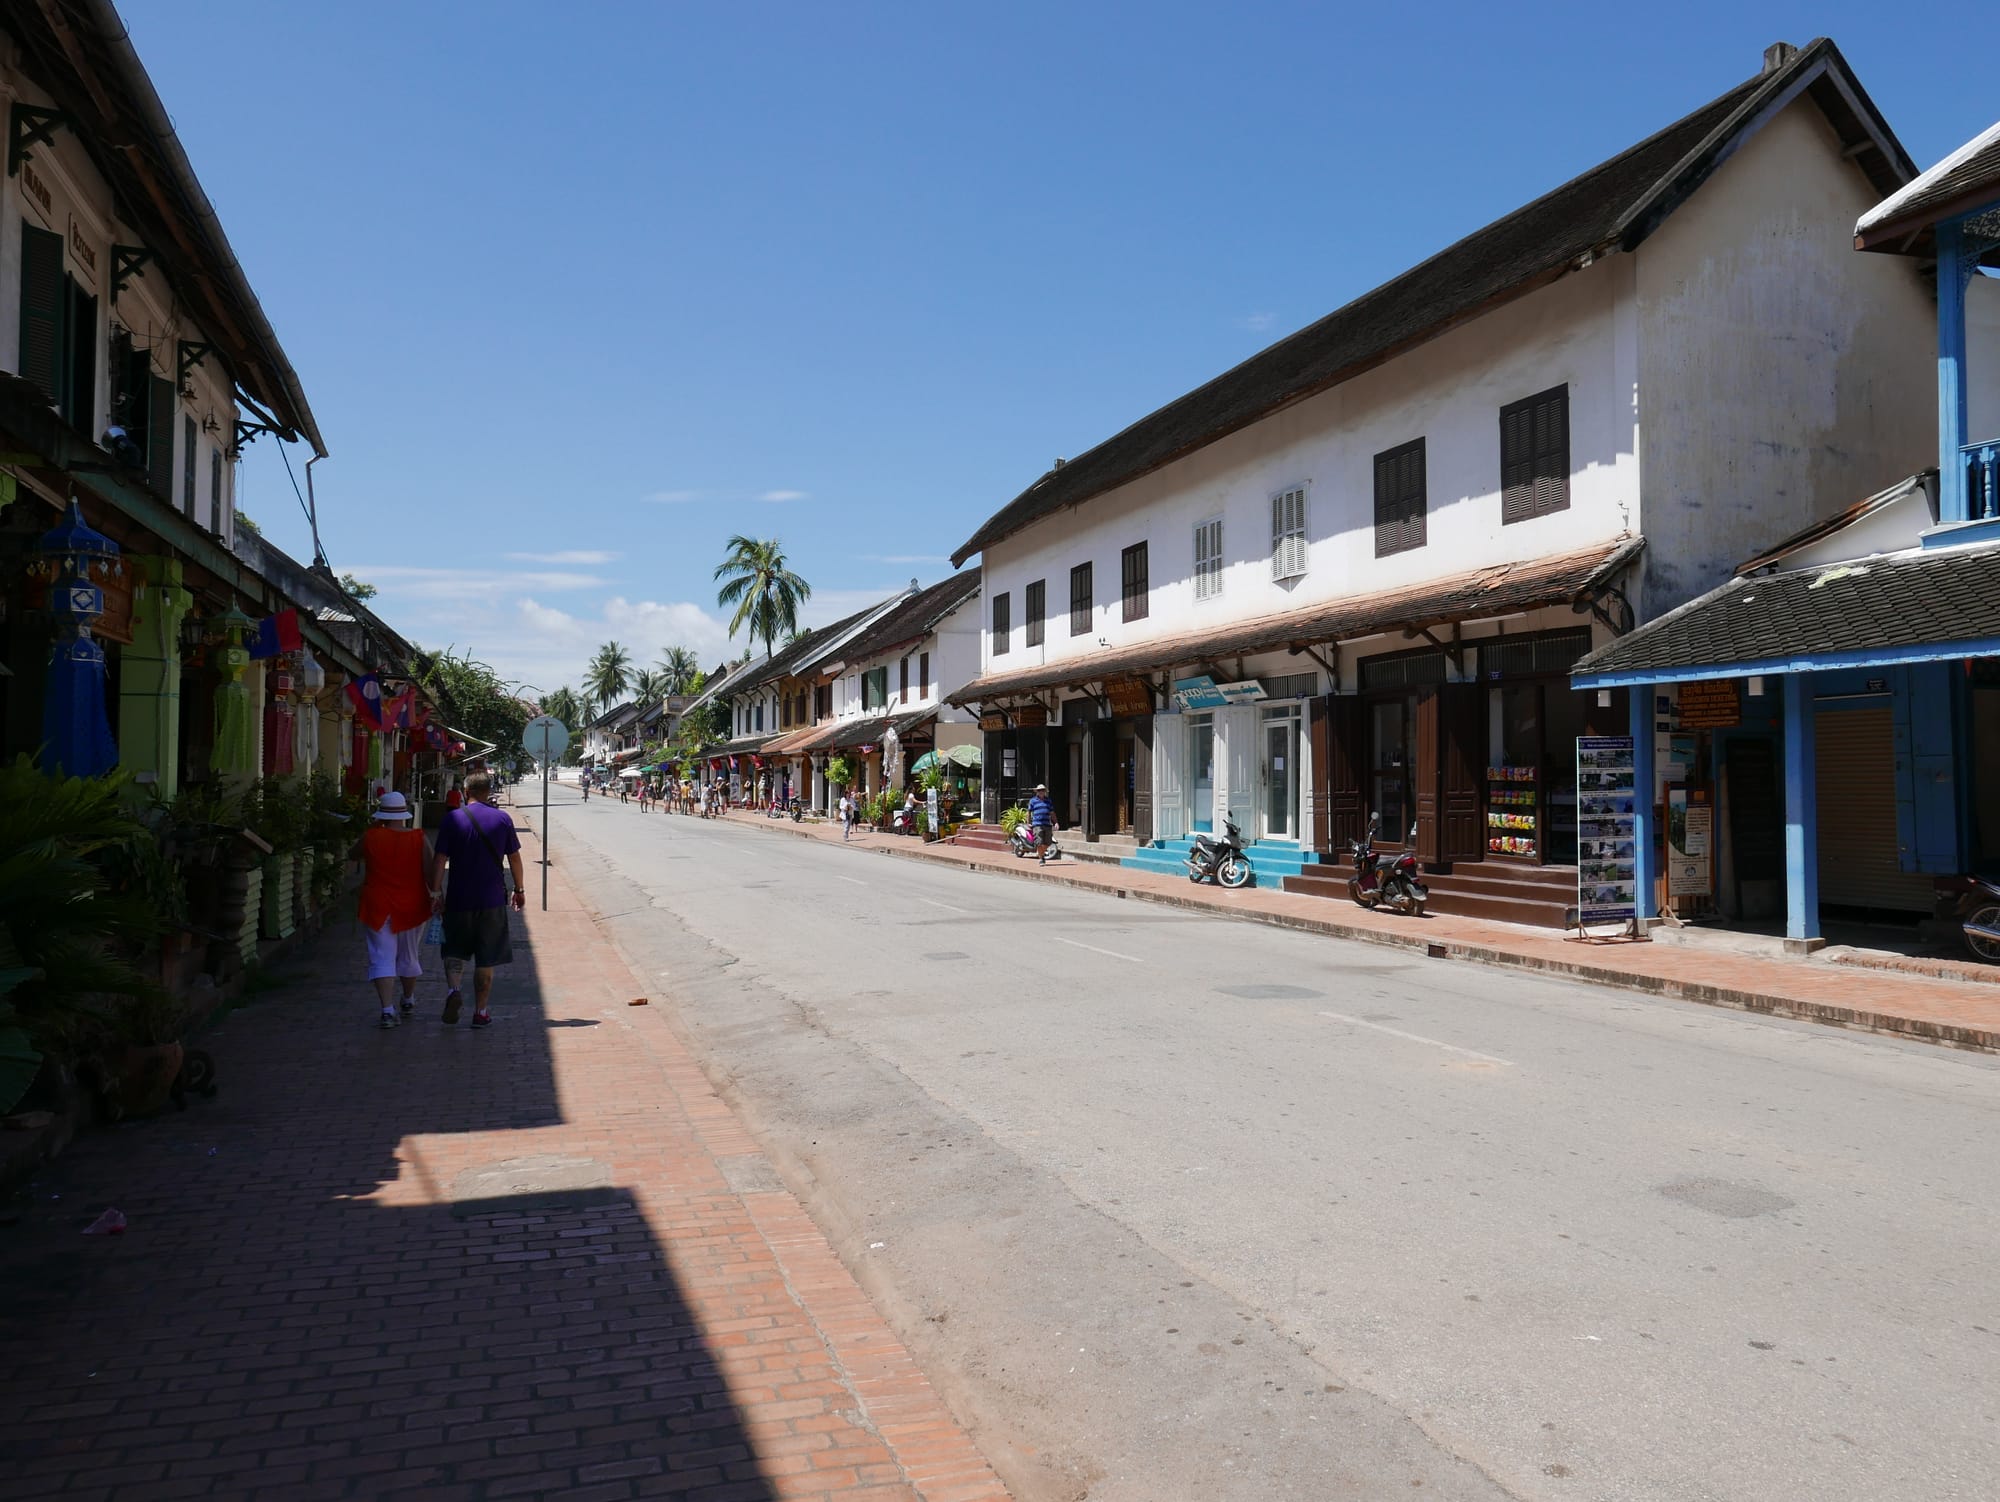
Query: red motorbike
column 1399, row 887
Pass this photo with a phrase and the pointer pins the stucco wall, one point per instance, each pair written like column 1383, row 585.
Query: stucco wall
column 1449, row 392
column 1782, row 375
column 1982, row 359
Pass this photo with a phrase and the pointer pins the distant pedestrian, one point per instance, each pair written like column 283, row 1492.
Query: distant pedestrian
column 1042, row 819
column 846, row 815
column 479, row 845
column 396, row 902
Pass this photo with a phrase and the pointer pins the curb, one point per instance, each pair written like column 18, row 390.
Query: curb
column 1829, row 1014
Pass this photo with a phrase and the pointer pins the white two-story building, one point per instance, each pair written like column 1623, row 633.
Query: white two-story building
column 1349, row 576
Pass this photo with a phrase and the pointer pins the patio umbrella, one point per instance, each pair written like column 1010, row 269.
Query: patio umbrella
column 957, row 756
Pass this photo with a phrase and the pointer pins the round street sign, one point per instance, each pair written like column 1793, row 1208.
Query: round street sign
column 545, row 738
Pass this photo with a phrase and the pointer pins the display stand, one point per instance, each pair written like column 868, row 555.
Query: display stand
column 1513, row 812
column 1607, row 839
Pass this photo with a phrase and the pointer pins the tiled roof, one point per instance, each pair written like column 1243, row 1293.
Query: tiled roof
column 1936, row 597
column 915, row 617
column 1563, row 578
column 1966, row 180
column 1613, row 206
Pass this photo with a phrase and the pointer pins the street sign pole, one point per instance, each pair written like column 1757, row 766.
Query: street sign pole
column 545, row 736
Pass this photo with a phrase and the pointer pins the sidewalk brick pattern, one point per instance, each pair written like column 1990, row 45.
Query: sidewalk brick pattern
column 439, row 1264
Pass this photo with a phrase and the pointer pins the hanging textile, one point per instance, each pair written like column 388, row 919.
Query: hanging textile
column 76, row 729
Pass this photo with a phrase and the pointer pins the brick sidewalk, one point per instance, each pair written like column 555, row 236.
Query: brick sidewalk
column 543, row 1260
column 1965, row 1013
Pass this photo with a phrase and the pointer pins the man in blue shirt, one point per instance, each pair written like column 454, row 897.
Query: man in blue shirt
column 1042, row 818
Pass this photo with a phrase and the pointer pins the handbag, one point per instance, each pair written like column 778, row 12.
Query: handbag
column 434, row 930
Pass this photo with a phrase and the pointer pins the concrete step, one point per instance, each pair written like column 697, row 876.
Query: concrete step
column 1270, row 864
column 1106, row 850
column 1542, row 896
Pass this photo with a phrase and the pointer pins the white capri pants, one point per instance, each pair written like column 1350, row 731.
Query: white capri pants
column 394, row 954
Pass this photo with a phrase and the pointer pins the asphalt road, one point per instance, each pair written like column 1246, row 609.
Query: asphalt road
column 1178, row 1207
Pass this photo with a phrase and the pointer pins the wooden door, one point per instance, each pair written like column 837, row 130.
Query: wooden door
column 1346, row 775
column 1322, row 808
column 1462, row 712
column 1427, row 777
column 1142, row 780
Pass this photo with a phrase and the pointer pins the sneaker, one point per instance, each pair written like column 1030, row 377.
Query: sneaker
column 452, row 1002
column 388, row 1017
column 482, row 1019
column 409, row 1007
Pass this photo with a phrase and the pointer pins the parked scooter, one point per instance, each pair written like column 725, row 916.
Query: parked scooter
column 903, row 821
column 1022, row 841
column 1399, row 887
column 1977, row 910
column 1219, row 860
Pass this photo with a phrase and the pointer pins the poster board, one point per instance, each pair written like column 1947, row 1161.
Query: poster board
column 1607, row 831
column 1690, row 843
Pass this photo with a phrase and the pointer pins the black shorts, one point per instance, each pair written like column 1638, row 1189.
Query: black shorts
column 481, row 936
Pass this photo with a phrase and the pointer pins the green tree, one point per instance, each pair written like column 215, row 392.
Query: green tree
column 682, row 669
column 649, row 686
column 357, row 589
column 473, row 698
column 765, row 592
column 609, row 674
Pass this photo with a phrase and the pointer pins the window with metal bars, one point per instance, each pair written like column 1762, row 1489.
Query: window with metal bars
column 1534, row 456
column 1532, row 656
column 1288, row 533
column 1003, row 622
column 1132, row 583
column 1034, row 606
column 1399, row 499
column 1208, row 558
column 1079, row 600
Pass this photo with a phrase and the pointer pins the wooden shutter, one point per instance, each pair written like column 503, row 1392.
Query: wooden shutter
column 1534, row 456
column 1002, row 622
column 1322, row 807
column 42, row 299
column 1463, row 772
column 1346, row 770
column 1142, row 780
column 923, row 675
column 160, row 404
column 1430, row 738
column 190, row 441
column 1399, row 499
column 1079, row 599
column 903, row 685
column 1170, row 747
column 215, row 491
column 1134, row 583
column 1288, row 541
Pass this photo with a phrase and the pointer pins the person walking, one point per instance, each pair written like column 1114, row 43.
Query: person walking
column 1042, row 819
column 396, row 902
column 846, row 815
column 477, row 843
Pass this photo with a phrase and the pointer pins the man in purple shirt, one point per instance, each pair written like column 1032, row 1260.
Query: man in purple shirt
column 478, row 842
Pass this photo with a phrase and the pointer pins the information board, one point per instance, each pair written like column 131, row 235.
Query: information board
column 1710, row 705
column 1607, row 831
column 1690, row 836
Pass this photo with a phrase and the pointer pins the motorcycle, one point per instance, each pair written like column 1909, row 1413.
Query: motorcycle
column 1399, row 887
column 1023, row 842
column 903, row 821
column 1220, row 860
column 1977, row 912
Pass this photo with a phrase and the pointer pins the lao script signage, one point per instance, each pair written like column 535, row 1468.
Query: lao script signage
column 1607, row 831
column 1710, row 705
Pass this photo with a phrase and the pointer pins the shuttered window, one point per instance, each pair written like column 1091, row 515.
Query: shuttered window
column 215, row 491
column 160, row 405
column 190, row 440
column 43, row 298
column 1132, row 581
column 1399, row 499
column 1034, row 605
column 923, row 675
column 1534, row 456
column 1288, row 534
column 903, row 681
column 875, row 688
column 1003, row 624
column 1079, row 600
column 1208, row 558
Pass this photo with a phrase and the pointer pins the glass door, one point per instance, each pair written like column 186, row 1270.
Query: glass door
column 1280, row 775
column 1392, row 764
column 1201, row 773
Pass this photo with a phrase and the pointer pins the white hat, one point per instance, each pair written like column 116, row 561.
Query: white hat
column 393, row 809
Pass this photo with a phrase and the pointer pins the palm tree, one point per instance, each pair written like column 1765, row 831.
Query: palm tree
column 681, row 668
column 609, row 674
column 565, row 706
column 649, row 686
column 766, row 594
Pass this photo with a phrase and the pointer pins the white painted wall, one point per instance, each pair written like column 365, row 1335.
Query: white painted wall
column 1783, row 376
column 1449, row 392
column 1982, row 350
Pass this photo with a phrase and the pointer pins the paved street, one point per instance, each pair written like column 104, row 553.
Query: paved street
column 1175, row 1207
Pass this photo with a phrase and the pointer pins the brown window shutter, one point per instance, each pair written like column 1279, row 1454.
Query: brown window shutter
column 42, row 297
column 1534, row 455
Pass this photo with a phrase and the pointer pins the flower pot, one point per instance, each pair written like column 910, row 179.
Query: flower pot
column 138, row 1079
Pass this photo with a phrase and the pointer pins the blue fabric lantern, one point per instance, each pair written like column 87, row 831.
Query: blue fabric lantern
column 76, row 730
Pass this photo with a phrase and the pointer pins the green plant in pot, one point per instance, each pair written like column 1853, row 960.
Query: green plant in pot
column 72, row 917
column 1013, row 818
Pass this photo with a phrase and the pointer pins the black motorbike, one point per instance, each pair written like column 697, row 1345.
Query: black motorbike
column 1221, row 861
column 1399, row 887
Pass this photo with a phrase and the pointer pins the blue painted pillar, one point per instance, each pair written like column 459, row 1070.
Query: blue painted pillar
column 1951, row 282
column 1645, row 871
column 1801, row 815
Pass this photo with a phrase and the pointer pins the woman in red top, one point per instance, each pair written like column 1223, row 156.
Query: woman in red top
column 396, row 902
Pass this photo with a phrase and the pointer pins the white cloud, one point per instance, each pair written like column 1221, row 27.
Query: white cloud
column 583, row 556
column 1257, row 323
column 471, row 583
column 549, row 647
column 672, row 497
column 783, row 495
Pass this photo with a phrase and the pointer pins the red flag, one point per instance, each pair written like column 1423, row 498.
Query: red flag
column 275, row 634
column 400, row 713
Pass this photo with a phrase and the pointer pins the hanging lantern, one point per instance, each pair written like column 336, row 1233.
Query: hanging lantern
column 76, row 730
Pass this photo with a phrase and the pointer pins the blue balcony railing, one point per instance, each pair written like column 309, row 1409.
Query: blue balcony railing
column 1982, row 480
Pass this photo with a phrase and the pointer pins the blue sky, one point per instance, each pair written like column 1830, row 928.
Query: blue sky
column 578, row 291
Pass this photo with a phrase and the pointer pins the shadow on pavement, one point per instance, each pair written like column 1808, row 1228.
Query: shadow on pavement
column 324, row 1294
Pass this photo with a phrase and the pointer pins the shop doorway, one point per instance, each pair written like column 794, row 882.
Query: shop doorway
column 1201, row 773
column 1279, row 774
column 1392, row 723
column 1125, row 776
